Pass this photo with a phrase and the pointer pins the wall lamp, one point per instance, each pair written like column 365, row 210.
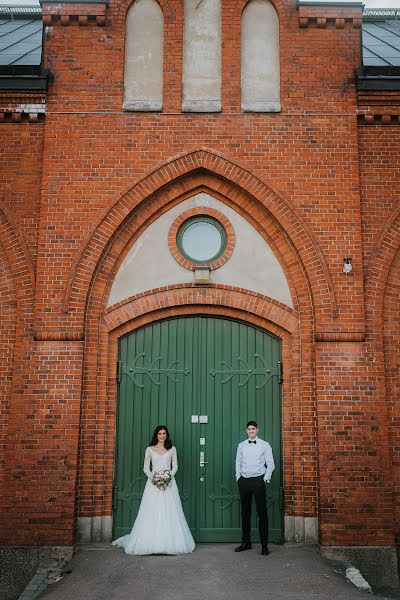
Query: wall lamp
column 347, row 267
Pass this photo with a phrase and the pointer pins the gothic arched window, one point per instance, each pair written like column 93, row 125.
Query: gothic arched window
column 143, row 75
column 201, row 78
column 260, row 57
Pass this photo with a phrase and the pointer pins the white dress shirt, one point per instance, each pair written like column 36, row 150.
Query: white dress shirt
column 253, row 460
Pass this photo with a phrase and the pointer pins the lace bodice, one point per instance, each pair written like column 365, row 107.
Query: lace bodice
column 160, row 462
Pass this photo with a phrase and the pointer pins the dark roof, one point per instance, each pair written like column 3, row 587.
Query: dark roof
column 21, row 44
column 21, row 35
column 380, row 50
column 381, row 38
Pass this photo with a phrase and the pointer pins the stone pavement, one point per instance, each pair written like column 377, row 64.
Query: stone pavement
column 213, row 571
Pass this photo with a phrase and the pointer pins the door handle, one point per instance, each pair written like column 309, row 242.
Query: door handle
column 202, row 461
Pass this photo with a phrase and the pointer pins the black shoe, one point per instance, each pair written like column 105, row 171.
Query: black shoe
column 264, row 551
column 243, row 547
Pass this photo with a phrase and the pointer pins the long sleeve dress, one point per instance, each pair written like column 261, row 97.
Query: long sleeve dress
column 160, row 526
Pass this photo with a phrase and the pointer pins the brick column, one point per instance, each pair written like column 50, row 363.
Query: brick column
column 356, row 507
column 41, row 459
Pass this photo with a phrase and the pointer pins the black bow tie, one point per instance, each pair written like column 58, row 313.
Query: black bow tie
column 251, row 442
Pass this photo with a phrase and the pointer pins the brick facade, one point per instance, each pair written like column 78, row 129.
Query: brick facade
column 318, row 181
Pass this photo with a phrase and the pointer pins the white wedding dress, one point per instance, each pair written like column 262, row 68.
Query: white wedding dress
column 160, row 526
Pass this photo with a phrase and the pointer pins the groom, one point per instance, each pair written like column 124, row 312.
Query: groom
column 254, row 466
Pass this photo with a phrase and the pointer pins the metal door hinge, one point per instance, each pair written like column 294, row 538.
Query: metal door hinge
column 119, row 371
column 280, row 372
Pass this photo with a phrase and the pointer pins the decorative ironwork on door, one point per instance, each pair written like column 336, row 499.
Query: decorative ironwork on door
column 152, row 370
column 245, row 371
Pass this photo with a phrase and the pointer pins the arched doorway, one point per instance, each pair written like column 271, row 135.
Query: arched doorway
column 203, row 377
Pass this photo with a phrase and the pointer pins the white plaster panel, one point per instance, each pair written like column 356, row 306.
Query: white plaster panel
column 260, row 57
column 201, row 76
column 149, row 263
column 143, row 77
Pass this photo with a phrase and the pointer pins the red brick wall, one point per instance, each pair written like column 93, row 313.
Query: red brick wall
column 94, row 152
column 379, row 179
column 308, row 152
column 42, row 447
column 8, row 324
column 295, row 175
column 354, row 467
column 380, row 189
column 391, row 327
column 21, row 148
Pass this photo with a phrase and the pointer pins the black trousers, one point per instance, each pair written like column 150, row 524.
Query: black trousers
column 249, row 487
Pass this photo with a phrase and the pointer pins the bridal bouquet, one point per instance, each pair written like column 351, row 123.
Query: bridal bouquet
column 162, row 479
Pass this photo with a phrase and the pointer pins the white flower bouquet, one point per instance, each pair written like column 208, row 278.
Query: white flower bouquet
column 162, row 479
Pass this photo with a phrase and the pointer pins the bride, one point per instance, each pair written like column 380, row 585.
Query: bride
column 160, row 526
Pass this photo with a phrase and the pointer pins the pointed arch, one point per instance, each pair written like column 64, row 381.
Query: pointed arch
column 229, row 179
column 17, row 288
column 19, row 258
column 98, row 260
column 378, row 267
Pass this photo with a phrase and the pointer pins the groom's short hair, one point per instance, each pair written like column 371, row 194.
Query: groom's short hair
column 251, row 423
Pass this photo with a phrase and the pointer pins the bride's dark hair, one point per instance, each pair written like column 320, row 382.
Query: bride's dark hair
column 168, row 442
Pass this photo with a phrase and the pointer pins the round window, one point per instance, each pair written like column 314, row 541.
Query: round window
column 201, row 239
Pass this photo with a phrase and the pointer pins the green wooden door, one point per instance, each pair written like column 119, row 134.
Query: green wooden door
column 220, row 373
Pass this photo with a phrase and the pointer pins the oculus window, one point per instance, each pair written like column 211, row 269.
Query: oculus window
column 201, row 239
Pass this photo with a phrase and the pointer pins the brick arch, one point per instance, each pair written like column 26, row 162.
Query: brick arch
column 252, row 307
column 19, row 259
column 17, row 284
column 8, row 324
column 279, row 6
column 378, row 267
column 231, row 180
column 103, row 326
column 123, row 7
column 179, row 191
column 185, row 300
column 95, row 468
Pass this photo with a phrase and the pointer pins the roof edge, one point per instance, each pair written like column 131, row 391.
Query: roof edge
column 74, row 2
column 381, row 14
column 378, row 78
column 20, row 12
column 332, row 3
column 24, row 81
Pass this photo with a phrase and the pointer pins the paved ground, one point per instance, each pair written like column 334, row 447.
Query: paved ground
column 212, row 572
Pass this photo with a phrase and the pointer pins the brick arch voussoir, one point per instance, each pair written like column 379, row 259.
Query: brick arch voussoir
column 122, row 8
column 174, row 170
column 172, row 300
column 177, row 191
column 15, row 248
column 379, row 264
column 279, row 6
